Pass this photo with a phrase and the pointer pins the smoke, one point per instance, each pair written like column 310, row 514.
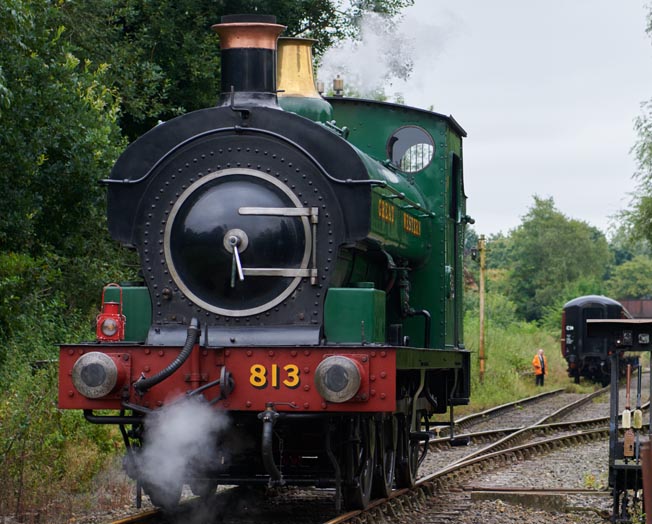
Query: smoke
column 387, row 55
column 368, row 64
column 180, row 441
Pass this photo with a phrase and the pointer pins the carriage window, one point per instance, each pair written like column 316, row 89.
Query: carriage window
column 410, row 149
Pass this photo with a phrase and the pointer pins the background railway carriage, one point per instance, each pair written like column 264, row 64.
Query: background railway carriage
column 302, row 271
column 589, row 356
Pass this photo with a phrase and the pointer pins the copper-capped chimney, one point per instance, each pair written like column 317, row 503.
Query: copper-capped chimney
column 248, row 45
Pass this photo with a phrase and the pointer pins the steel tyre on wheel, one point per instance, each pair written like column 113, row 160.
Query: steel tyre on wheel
column 386, row 440
column 407, row 454
column 165, row 497
column 360, row 460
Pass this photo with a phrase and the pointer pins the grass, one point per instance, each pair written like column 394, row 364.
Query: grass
column 509, row 375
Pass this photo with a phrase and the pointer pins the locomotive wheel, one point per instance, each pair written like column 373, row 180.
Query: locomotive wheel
column 360, row 460
column 203, row 488
column 407, row 454
column 386, row 440
column 164, row 497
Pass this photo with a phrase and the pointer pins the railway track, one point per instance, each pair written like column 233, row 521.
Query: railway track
column 482, row 417
column 446, row 472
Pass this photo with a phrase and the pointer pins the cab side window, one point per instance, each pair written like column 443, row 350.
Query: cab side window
column 410, row 149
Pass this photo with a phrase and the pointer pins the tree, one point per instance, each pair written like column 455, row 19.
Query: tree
column 549, row 254
column 59, row 134
column 59, row 137
column 639, row 217
column 165, row 57
column 632, row 279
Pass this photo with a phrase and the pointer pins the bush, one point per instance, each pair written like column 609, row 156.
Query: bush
column 510, row 345
column 45, row 454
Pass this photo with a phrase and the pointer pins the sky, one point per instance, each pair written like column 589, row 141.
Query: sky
column 547, row 92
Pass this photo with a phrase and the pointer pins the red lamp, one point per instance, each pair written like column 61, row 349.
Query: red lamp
column 111, row 322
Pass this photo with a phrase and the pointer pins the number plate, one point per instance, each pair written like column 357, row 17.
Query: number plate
column 262, row 376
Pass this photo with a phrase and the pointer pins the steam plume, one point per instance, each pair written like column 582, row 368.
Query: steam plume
column 180, row 441
column 368, row 64
column 390, row 53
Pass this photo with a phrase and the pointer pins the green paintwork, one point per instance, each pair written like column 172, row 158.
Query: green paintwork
column 348, row 308
column 410, row 358
column 136, row 307
column 435, row 257
column 388, row 226
column 316, row 109
column 394, row 206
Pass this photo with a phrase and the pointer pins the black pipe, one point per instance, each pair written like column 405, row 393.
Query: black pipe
column 431, row 400
column 269, row 417
column 204, row 388
column 336, row 468
column 111, row 419
column 136, row 408
column 143, row 384
column 427, row 318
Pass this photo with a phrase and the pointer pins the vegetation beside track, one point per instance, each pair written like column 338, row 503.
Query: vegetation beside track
column 509, row 349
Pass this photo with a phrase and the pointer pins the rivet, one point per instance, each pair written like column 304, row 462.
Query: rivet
column 306, row 405
column 248, row 403
column 306, row 370
column 383, row 374
column 382, row 396
column 293, row 353
column 306, row 387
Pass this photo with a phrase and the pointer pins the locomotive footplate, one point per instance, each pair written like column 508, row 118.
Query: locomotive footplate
column 242, row 379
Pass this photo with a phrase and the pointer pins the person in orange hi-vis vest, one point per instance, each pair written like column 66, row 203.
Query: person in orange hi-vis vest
column 540, row 364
